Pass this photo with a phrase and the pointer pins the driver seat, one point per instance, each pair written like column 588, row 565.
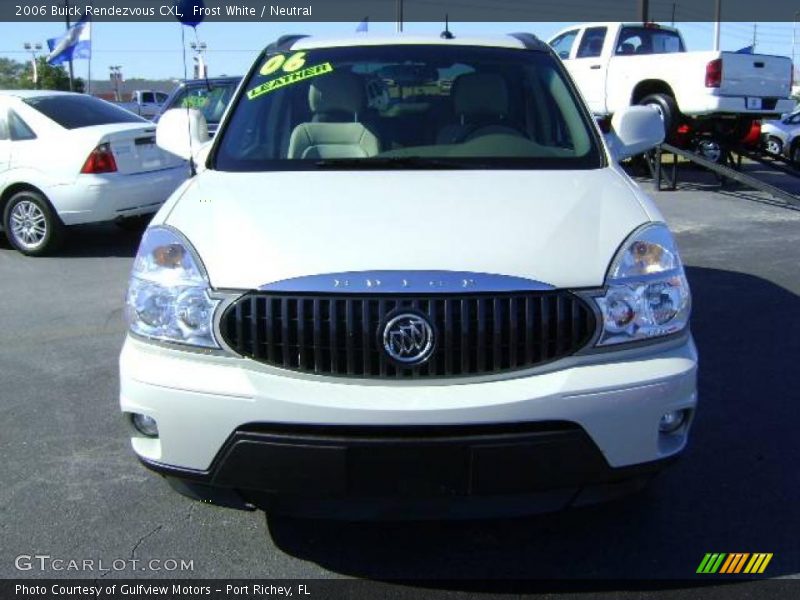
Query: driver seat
column 336, row 101
column 481, row 105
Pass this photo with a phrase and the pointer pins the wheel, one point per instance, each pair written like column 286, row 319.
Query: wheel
column 710, row 149
column 668, row 111
column 773, row 146
column 31, row 225
column 794, row 155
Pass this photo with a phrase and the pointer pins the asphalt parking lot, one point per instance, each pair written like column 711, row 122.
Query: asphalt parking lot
column 71, row 487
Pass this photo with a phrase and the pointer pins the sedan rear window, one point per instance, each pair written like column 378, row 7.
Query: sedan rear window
column 73, row 112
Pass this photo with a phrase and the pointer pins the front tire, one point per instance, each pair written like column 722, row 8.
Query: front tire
column 667, row 109
column 794, row 154
column 773, row 146
column 31, row 224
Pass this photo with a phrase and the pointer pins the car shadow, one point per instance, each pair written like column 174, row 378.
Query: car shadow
column 100, row 240
column 735, row 489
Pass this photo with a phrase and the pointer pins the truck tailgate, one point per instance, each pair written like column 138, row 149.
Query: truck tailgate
column 755, row 75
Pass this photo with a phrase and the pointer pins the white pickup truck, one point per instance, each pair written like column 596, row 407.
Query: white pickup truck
column 619, row 64
column 145, row 103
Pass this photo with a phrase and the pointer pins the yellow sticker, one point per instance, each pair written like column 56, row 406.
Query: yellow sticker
column 273, row 64
column 289, row 79
column 294, row 62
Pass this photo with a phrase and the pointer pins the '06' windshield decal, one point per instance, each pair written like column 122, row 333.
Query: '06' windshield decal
column 293, row 69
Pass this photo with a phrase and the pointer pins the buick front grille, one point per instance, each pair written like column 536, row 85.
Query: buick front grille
column 341, row 334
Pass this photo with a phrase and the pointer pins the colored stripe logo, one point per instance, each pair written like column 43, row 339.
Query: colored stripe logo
column 733, row 563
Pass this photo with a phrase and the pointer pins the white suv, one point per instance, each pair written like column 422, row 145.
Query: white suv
column 409, row 277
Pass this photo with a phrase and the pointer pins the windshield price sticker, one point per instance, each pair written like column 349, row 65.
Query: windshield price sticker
column 289, row 79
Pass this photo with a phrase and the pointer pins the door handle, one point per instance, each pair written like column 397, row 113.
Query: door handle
column 593, row 67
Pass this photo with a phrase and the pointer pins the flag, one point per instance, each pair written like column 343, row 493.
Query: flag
column 75, row 43
column 363, row 27
column 745, row 50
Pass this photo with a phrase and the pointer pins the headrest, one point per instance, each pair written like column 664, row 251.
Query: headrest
column 480, row 94
column 337, row 92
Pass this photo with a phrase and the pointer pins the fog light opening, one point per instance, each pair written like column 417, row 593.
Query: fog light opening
column 672, row 421
column 145, row 425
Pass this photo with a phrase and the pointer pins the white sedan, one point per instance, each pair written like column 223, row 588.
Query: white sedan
column 68, row 159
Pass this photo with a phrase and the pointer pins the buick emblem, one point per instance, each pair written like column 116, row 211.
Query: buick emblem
column 408, row 338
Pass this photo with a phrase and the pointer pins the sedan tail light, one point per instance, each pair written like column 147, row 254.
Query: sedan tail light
column 100, row 160
column 714, row 73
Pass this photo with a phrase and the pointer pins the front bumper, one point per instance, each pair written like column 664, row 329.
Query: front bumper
column 235, row 424
column 402, row 472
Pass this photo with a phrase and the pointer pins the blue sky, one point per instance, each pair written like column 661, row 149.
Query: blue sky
column 153, row 50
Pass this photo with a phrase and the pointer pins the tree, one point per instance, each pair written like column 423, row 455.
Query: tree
column 16, row 75
column 10, row 73
column 54, row 77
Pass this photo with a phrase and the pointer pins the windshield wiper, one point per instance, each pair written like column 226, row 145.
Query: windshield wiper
column 392, row 162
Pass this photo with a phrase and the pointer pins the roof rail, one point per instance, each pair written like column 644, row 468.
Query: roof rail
column 530, row 41
column 285, row 42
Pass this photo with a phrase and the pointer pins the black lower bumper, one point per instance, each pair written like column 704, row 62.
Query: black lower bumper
column 388, row 471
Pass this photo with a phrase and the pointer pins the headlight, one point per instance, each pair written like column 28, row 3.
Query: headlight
column 647, row 294
column 168, row 296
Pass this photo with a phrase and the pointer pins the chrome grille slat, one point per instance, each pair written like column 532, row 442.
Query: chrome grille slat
column 338, row 334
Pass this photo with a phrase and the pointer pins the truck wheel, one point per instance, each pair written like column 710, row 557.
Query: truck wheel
column 31, row 225
column 668, row 111
column 710, row 149
column 773, row 145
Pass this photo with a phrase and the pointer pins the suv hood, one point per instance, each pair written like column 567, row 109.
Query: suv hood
column 557, row 227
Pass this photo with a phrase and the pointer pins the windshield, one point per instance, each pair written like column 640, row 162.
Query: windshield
column 76, row 111
column 211, row 99
column 408, row 106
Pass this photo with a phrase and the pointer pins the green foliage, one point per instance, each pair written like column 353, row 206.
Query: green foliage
column 15, row 75
column 10, row 73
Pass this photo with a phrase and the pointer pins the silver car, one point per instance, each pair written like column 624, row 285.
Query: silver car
column 778, row 136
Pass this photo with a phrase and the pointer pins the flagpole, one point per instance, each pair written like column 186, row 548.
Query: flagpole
column 88, row 89
column 66, row 5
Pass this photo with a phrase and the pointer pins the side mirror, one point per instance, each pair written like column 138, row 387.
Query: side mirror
column 182, row 132
column 634, row 130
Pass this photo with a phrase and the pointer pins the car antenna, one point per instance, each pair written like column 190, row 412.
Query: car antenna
column 446, row 35
column 192, row 167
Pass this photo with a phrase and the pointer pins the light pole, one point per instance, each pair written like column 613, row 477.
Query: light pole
column 116, row 77
column 201, row 69
column 33, row 49
column 794, row 39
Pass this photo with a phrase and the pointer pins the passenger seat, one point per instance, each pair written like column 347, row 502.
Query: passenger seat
column 336, row 101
